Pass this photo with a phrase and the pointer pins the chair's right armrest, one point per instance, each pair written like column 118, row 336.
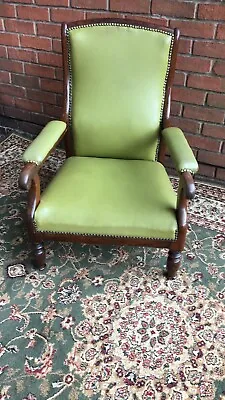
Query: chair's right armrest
column 38, row 151
column 44, row 143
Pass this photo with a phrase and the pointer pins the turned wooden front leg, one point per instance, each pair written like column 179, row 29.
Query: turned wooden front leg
column 173, row 263
column 39, row 256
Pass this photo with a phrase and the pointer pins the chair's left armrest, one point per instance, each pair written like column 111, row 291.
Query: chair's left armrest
column 180, row 150
column 44, row 143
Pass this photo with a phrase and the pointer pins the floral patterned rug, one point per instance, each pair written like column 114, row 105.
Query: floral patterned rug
column 102, row 322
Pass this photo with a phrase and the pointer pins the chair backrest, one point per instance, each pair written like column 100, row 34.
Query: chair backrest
column 118, row 74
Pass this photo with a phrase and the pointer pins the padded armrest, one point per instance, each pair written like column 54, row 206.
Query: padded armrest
column 180, row 150
column 44, row 142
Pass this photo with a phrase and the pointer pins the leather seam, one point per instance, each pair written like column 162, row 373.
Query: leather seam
column 101, row 235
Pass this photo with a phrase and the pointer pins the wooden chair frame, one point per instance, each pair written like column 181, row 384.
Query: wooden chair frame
column 29, row 177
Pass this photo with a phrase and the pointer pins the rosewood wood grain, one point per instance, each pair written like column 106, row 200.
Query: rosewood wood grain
column 27, row 174
column 39, row 256
column 173, row 264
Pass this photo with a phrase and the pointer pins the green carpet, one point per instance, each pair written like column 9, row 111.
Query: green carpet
column 102, row 322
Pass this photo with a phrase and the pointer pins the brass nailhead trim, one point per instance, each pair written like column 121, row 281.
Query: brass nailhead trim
column 186, row 170
column 129, row 26
column 164, row 90
column 31, row 161
column 99, row 235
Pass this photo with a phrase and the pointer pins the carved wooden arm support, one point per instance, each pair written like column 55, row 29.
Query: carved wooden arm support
column 34, row 156
column 27, row 175
column 188, row 185
column 29, row 180
column 186, row 192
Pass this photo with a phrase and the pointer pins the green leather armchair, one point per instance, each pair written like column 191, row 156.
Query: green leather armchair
column 113, row 187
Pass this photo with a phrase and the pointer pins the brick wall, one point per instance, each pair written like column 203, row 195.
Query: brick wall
column 31, row 73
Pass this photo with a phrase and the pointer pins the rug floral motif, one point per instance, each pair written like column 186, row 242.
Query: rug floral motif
column 102, row 322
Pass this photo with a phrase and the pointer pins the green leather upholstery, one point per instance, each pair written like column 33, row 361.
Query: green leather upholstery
column 115, row 197
column 180, row 150
column 44, row 142
column 118, row 78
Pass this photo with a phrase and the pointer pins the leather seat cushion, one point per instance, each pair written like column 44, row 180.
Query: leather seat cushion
column 113, row 197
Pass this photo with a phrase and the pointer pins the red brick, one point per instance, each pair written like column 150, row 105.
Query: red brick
column 33, row 13
column 41, row 96
column 59, row 74
column 51, row 85
column 94, row 14
column 205, row 143
column 19, row 1
column 49, row 30
column 194, row 64
column 59, row 100
column 3, row 52
column 7, row 100
column 13, row 25
column 25, row 81
column 194, row 29
column 39, row 70
column 179, row 78
column 17, row 113
column 220, row 173
column 206, row 82
column 8, row 10
column 211, row 11
column 208, row 157
column 14, row 66
column 186, row 95
column 64, row 15
column 21, row 54
column 91, row 4
column 206, row 170
column 203, row 113
column 50, row 59
column 216, row 100
column 176, row 108
column 13, row 90
column 137, row 6
column 53, row 111
column 29, row 105
column 40, row 119
column 187, row 125
column 57, row 45
column 173, row 8
column 185, row 46
column 221, row 32
column 219, row 68
column 52, row 3
column 209, row 49
column 4, row 77
column 216, row 131
column 35, row 42
column 150, row 19
column 10, row 39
